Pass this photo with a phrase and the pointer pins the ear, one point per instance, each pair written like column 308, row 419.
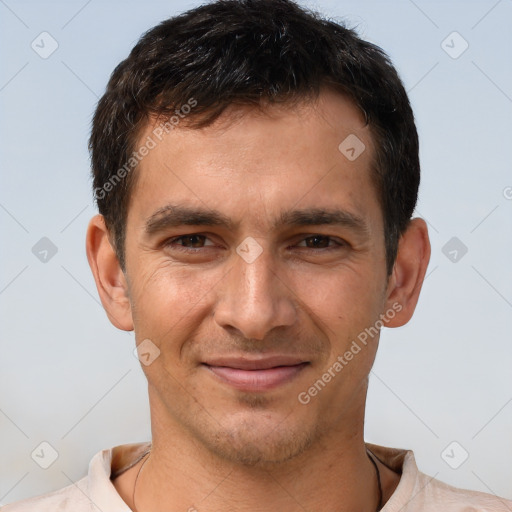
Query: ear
column 408, row 272
column 110, row 279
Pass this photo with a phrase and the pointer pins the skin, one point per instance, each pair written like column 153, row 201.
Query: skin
column 216, row 447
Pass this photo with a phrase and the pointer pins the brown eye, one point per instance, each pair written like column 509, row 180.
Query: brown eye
column 321, row 242
column 193, row 240
column 188, row 242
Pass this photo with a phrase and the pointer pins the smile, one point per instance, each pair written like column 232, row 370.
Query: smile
column 256, row 375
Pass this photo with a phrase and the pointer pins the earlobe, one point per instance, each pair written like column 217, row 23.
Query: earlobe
column 110, row 279
column 409, row 272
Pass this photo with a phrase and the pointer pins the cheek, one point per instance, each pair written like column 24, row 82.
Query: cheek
column 168, row 299
column 346, row 307
column 343, row 299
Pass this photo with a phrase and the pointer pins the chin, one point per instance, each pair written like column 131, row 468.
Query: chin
column 259, row 440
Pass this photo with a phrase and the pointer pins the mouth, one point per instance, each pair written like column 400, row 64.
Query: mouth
column 256, row 375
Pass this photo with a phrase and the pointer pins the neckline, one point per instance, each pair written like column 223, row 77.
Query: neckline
column 119, row 459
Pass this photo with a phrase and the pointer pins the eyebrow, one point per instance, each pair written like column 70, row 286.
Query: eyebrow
column 172, row 216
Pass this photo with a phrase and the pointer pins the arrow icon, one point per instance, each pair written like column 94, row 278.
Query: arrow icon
column 454, row 249
column 351, row 147
column 454, row 455
column 44, row 45
column 146, row 352
column 454, row 45
column 44, row 455
column 249, row 249
column 44, row 250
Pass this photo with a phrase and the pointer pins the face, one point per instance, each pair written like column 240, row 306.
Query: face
column 254, row 260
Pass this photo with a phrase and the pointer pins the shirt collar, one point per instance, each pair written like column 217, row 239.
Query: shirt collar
column 106, row 464
column 114, row 461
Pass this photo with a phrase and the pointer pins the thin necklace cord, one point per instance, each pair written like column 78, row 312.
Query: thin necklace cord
column 377, row 472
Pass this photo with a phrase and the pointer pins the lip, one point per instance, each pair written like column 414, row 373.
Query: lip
column 256, row 374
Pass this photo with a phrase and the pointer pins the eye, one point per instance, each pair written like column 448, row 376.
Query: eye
column 322, row 242
column 187, row 242
column 194, row 242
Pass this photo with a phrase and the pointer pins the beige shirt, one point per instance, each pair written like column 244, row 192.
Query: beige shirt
column 416, row 492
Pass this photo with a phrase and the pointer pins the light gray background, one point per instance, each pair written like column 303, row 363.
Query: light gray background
column 69, row 378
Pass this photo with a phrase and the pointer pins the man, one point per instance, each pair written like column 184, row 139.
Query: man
column 256, row 169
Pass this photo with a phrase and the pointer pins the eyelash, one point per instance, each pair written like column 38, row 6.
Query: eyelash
column 170, row 242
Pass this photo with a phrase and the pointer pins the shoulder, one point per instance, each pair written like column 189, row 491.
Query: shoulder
column 433, row 493
column 94, row 492
column 419, row 492
column 72, row 498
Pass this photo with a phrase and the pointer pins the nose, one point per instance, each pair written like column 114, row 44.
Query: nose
column 254, row 298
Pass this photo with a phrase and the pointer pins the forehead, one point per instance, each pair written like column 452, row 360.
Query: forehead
column 253, row 162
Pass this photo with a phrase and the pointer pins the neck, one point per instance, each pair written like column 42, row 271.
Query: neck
column 236, row 488
column 334, row 475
